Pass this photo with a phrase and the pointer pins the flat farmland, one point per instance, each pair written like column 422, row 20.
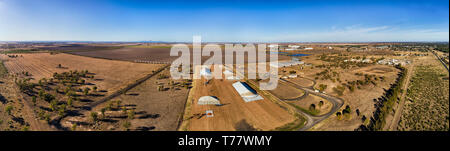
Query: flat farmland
column 109, row 75
column 153, row 54
column 235, row 113
column 161, row 54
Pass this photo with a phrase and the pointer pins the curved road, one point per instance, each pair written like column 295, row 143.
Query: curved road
column 312, row 119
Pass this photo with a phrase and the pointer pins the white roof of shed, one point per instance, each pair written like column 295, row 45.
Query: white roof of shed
column 246, row 92
column 205, row 100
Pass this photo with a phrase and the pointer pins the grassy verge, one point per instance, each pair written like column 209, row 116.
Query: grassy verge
column 314, row 113
column 293, row 126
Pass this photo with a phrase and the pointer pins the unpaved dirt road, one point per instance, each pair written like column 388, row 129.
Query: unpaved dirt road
column 399, row 110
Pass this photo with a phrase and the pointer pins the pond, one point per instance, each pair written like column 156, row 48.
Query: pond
column 299, row 55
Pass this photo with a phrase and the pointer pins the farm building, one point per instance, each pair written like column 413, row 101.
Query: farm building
column 208, row 100
column 206, row 72
column 229, row 75
column 247, row 93
column 272, row 46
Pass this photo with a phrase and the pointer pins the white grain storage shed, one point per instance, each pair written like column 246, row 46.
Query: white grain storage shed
column 206, row 72
column 208, row 100
column 246, row 92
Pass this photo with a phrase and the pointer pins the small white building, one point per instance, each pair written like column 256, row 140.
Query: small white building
column 280, row 64
column 293, row 76
column 208, row 100
column 272, row 46
column 309, row 48
column 206, row 72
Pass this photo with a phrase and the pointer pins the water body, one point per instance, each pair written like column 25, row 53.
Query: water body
column 271, row 52
column 299, row 55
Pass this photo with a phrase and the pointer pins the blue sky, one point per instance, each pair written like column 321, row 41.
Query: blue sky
column 225, row 21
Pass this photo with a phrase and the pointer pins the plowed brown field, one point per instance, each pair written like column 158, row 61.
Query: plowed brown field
column 110, row 75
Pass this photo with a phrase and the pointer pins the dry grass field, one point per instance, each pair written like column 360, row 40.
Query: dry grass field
column 302, row 81
column 427, row 99
column 154, row 109
column 286, row 92
column 357, row 84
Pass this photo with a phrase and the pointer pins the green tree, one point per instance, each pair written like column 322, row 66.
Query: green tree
column 70, row 101
column 312, row 108
column 94, row 116
column 53, row 105
column 131, row 114
column 339, row 115
column 127, row 125
column 62, row 110
column 118, row 103
column 48, row 97
column 33, row 99
column 86, row 91
column 103, row 110
column 8, row 109
column 74, row 127
column 322, row 87
column 320, row 104
column 124, row 110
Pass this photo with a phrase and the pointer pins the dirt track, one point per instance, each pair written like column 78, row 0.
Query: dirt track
column 398, row 112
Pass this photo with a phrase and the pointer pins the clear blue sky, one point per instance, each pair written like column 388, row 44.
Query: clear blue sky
column 230, row 21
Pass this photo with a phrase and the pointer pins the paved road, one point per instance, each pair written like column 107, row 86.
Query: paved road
column 312, row 119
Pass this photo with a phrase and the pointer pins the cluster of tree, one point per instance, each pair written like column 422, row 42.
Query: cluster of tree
column 339, row 61
column 328, row 75
column 339, row 90
column 442, row 47
column 322, row 87
column 8, row 109
column 13, row 56
column 26, row 73
column 386, row 102
column 73, row 77
column 314, row 109
column 344, row 113
column 162, row 76
column 115, row 106
column 25, row 85
column 368, row 79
